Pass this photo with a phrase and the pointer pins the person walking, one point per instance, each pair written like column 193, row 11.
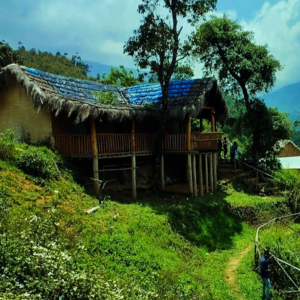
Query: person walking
column 264, row 272
column 233, row 151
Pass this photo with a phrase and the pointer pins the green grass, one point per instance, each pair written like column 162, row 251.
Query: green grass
column 157, row 247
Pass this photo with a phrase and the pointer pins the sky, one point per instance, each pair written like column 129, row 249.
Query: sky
column 98, row 29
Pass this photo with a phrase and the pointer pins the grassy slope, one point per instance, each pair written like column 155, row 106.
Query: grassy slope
column 177, row 248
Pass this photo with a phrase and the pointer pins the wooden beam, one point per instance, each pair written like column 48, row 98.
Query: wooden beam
column 190, row 176
column 195, row 176
column 206, row 173
column 188, row 131
column 215, row 158
column 133, row 161
column 211, row 177
column 162, row 172
column 133, row 176
column 95, row 156
column 200, row 174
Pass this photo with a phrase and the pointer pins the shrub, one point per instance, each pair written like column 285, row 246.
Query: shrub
column 289, row 182
column 37, row 162
column 7, row 145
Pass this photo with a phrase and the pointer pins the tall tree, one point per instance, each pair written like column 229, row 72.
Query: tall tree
column 156, row 43
column 243, row 68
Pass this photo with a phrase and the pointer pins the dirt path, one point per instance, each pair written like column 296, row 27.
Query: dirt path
column 231, row 270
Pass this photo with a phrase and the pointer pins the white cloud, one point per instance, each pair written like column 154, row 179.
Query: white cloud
column 278, row 26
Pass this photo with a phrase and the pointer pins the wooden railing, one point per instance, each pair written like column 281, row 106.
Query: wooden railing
column 121, row 143
column 205, row 141
column 175, row 142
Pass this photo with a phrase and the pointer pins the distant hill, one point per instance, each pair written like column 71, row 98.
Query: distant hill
column 286, row 99
column 96, row 68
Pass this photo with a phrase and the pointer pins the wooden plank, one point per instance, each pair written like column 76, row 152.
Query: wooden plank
column 206, row 172
column 190, row 176
column 211, row 175
column 215, row 159
column 200, row 174
column 95, row 156
column 188, row 132
column 195, row 176
column 133, row 177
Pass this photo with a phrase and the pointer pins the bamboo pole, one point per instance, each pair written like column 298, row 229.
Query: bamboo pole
column 190, row 176
column 195, row 176
column 133, row 161
column 95, row 156
column 200, row 175
column 211, row 172
column 206, row 173
column 215, row 157
column 162, row 174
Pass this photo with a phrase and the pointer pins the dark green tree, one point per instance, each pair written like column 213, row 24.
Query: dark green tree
column 242, row 67
column 260, row 128
column 156, row 44
column 8, row 55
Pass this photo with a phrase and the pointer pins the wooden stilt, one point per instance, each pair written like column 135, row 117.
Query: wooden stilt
column 211, row 175
column 206, row 173
column 95, row 156
column 215, row 158
column 200, row 175
column 190, row 176
column 195, row 176
column 162, row 172
column 133, row 161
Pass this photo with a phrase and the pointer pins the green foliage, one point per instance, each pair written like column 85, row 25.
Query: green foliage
column 156, row 45
column 37, row 162
column 108, row 98
column 7, row 145
column 259, row 129
column 243, row 68
column 120, row 76
column 288, row 181
column 8, row 55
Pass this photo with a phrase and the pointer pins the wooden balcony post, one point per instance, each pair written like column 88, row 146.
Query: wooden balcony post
column 133, row 161
column 190, row 175
column 195, row 176
column 95, row 156
column 215, row 159
column 206, row 173
column 211, row 172
column 200, row 175
column 188, row 131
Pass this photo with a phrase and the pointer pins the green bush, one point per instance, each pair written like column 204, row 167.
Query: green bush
column 7, row 145
column 289, row 182
column 37, row 162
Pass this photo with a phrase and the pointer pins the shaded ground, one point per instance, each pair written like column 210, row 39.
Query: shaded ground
column 231, row 270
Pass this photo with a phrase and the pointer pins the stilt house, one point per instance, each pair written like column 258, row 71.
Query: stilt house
column 118, row 134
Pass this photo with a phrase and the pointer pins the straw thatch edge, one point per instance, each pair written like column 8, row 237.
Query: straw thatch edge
column 42, row 94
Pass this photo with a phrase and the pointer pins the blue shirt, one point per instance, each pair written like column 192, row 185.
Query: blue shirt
column 264, row 266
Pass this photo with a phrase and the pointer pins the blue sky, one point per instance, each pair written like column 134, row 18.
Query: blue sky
column 97, row 29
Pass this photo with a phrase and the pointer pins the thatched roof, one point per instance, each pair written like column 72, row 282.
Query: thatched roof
column 77, row 96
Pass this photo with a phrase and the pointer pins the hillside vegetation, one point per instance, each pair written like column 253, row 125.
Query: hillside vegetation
column 158, row 247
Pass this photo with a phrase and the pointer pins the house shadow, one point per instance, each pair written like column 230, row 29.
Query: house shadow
column 205, row 222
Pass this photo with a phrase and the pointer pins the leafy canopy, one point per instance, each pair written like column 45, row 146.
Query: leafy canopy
column 156, row 44
column 243, row 68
